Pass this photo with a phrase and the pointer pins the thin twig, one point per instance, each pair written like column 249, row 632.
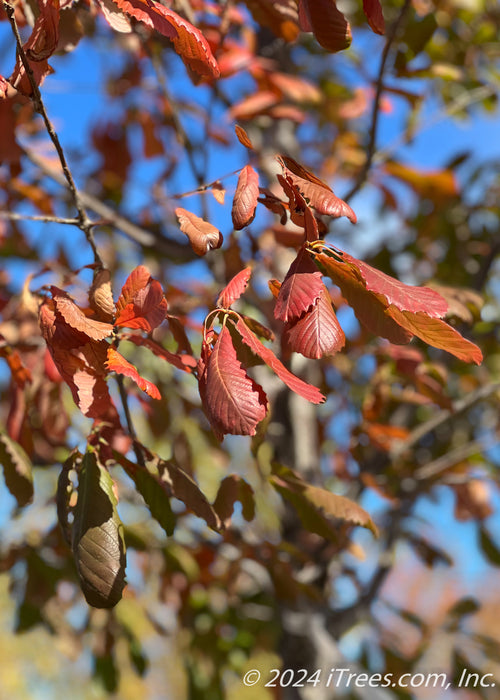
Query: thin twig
column 142, row 236
column 130, row 423
column 441, row 418
column 372, row 139
column 13, row 216
column 84, row 222
column 453, row 457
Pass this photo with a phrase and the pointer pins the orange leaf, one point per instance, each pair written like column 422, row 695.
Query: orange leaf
column 142, row 303
column 280, row 16
column 437, row 333
column 245, row 198
column 437, row 185
column 243, row 137
column 188, row 41
column 117, row 363
column 202, row 235
column 182, row 361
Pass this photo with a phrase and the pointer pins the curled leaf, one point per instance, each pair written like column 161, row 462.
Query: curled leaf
column 188, row 41
column 318, row 194
column 202, row 235
column 233, row 488
column 97, row 536
column 245, row 198
column 74, row 317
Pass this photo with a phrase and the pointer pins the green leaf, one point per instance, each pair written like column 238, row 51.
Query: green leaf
column 16, row 469
column 315, row 506
column 98, row 543
column 153, row 490
column 488, row 547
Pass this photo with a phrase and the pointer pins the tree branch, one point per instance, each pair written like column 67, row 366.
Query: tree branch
column 372, row 138
column 141, row 236
column 13, row 216
column 84, row 222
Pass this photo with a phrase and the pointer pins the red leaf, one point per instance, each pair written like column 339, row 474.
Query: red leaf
column 329, row 25
column 202, row 235
column 117, row 363
column 74, row 317
column 307, row 391
column 188, row 41
column 245, row 198
column 320, row 196
column 234, row 289
column 142, row 303
column 41, row 44
column 404, row 296
column 373, row 12
column 182, row 361
column 437, row 333
column 369, row 307
column 300, row 290
column 318, row 332
column 233, row 402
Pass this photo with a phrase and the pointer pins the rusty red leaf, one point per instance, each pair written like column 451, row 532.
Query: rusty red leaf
column 319, row 195
column 233, row 402
column 317, row 333
column 307, row 391
column 41, row 44
column 437, row 333
column 329, row 25
column 300, row 290
column 234, row 289
column 245, row 198
column 188, row 41
column 374, row 15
